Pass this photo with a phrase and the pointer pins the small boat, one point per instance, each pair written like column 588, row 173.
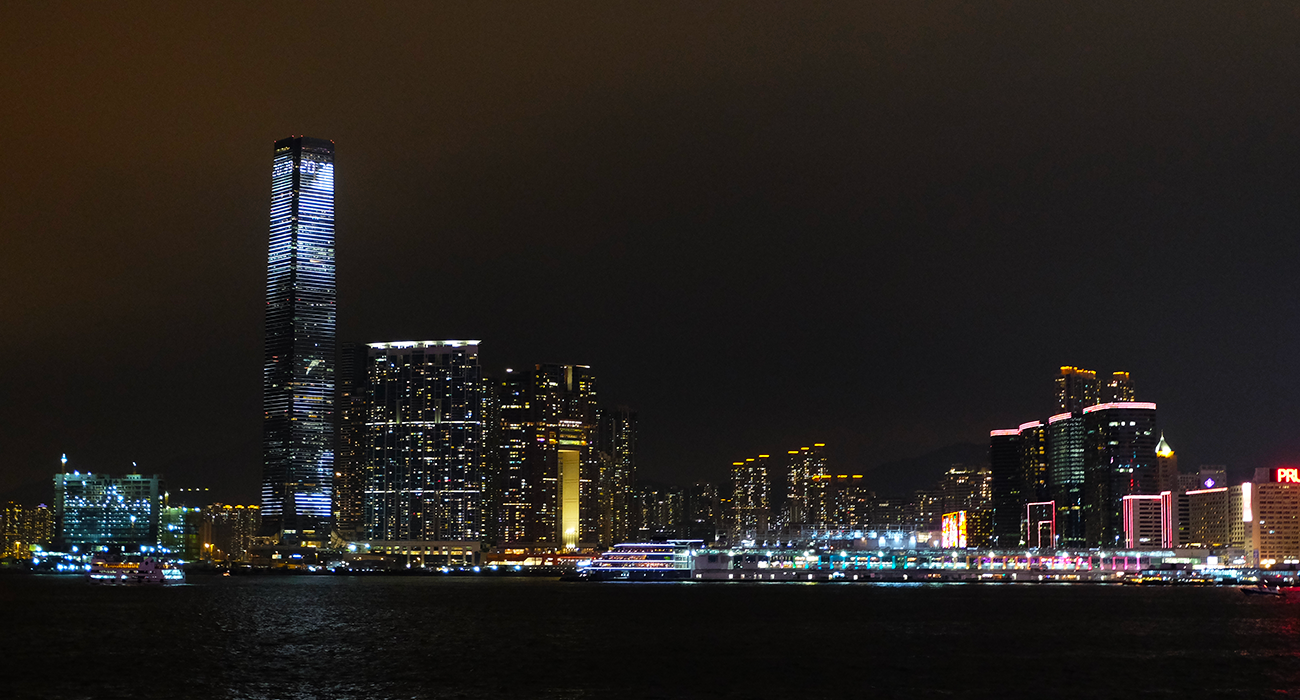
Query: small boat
column 1262, row 589
column 133, row 571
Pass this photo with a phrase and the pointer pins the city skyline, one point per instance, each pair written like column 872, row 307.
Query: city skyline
column 829, row 241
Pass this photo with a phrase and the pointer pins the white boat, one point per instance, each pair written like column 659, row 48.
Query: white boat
column 131, row 572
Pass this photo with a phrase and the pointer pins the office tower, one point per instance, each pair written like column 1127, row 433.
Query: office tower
column 1033, row 461
column 350, row 453
column 1210, row 475
column 1166, row 467
column 617, row 456
column 118, row 512
column 751, row 498
column 1147, row 521
column 424, row 469
column 298, row 371
column 1004, row 463
column 1120, row 388
column 1119, row 460
column 1271, row 512
column 561, row 466
column 1216, row 517
column 1065, row 476
column 513, row 486
column 1076, row 389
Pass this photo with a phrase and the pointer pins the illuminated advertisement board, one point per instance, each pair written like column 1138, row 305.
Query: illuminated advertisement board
column 1287, row 475
column 953, row 535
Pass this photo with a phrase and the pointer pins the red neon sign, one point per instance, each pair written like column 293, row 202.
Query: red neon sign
column 1287, row 474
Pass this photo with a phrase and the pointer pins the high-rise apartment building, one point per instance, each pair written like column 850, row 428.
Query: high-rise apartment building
column 424, row 443
column 1076, row 389
column 23, row 528
column 226, row 532
column 807, row 502
column 298, row 369
column 1119, row 388
column 1119, row 460
column 751, row 497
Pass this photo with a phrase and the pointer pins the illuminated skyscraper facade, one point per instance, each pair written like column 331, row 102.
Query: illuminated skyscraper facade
column 617, row 474
column 513, row 486
column 298, row 369
column 424, row 443
column 751, row 497
column 350, row 453
column 94, row 510
column 1076, row 389
column 1008, row 503
column 560, row 461
column 1065, row 476
column 1119, row 460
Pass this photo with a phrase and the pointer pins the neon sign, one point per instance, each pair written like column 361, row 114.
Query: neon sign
column 953, row 534
column 1290, row 475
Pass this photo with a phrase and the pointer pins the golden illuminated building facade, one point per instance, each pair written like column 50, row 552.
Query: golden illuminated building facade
column 1272, row 519
column 751, row 499
column 23, row 528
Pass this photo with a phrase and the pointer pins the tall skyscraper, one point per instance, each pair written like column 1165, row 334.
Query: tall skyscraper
column 513, row 486
column 1119, row 460
column 751, row 497
column 807, row 504
column 425, row 425
column 1120, row 388
column 1008, row 504
column 1065, row 476
column 1076, row 389
column 350, row 453
column 560, row 462
column 298, row 369
column 617, row 473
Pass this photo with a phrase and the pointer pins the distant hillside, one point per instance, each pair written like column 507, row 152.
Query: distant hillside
column 904, row 476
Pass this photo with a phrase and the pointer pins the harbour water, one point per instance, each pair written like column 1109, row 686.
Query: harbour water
column 448, row 637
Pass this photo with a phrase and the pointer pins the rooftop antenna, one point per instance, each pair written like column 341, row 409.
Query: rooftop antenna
column 64, row 461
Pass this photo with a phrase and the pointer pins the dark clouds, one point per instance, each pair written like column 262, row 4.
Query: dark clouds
column 878, row 226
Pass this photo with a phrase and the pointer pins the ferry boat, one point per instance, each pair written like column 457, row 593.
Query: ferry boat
column 131, row 572
column 644, row 561
column 1264, row 589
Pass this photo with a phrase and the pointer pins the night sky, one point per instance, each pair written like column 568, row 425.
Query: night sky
column 878, row 226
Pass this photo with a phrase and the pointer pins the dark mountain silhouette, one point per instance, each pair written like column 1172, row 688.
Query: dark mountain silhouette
column 902, row 477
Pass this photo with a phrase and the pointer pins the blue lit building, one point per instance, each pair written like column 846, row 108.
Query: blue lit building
column 298, row 369
column 96, row 510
